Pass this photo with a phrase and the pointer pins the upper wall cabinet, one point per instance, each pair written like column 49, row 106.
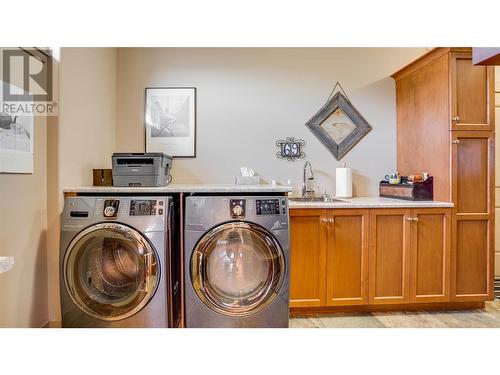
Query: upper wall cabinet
column 439, row 92
column 472, row 88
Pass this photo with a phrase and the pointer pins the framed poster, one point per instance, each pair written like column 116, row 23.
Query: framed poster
column 16, row 141
column 170, row 120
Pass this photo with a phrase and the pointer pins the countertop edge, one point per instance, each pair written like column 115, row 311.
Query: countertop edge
column 370, row 202
column 180, row 188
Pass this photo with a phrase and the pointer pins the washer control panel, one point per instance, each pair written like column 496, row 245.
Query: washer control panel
column 144, row 207
column 237, row 208
column 111, row 208
column 270, row 206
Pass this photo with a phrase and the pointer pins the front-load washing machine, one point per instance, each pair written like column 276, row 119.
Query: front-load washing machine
column 119, row 262
column 236, row 261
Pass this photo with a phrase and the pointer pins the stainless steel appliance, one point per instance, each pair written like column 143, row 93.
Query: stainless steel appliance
column 141, row 169
column 119, row 262
column 236, row 261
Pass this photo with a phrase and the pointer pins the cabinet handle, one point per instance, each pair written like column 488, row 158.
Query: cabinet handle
column 456, row 141
column 331, row 221
column 324, row 220
column 456, row 118
column 409, row 219
column 416, row 219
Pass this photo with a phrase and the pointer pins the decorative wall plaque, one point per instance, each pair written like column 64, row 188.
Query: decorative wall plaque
column 290, row 149
column 338, row 125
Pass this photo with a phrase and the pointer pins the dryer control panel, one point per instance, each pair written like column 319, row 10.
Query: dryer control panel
column 145, row 207
column 270, row 206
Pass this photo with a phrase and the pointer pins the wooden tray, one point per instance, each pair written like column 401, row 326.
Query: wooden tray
column 418, row 191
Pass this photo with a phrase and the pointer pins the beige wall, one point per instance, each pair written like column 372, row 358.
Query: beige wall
column 249, row 98
column 23, row 231
column 83, row 138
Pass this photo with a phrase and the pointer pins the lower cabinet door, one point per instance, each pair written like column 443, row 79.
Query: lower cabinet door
column 307, row 257
column 430, row 255
column 389, row 256
column 473, row 179
column 347, row 257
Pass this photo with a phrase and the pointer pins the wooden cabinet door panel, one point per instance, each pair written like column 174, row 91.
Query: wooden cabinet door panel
column 472, row 258
column 472, row 180
column 472, row 88
column 430, row 255
column 347, row 257
column 473, row 215
column 389, row 256
column 307, row 258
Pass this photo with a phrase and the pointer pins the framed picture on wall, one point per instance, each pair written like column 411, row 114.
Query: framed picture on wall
column 170, row 120
column 16, row 138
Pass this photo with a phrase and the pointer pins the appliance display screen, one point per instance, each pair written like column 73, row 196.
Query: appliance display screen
column 267, row 206
column 142, row 207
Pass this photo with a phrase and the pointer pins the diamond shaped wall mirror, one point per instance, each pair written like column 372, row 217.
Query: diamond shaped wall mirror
column 338, row 125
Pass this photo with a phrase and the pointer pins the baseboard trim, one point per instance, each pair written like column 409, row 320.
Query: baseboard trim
column 329, row 310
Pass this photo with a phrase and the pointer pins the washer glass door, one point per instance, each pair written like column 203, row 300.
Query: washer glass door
column 111, row 271
column 237, row 269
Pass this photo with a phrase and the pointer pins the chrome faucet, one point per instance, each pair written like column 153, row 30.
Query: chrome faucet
column 308, row 179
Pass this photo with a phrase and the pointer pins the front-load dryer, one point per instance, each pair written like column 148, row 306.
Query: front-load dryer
column 118, row 262
column 236, row 261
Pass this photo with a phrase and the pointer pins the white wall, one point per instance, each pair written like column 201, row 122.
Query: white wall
column 249, row 98
column 81, row 138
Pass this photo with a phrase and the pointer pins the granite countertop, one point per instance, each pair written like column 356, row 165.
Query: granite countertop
column 182, row 188
column 369, row 202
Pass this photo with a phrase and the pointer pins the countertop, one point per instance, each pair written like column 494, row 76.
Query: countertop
column 369, row 202
column 182, row 188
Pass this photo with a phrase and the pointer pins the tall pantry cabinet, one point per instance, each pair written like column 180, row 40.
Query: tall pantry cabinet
column 445, row 126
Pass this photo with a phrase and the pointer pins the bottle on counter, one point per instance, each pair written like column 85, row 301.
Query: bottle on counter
column 289, row 184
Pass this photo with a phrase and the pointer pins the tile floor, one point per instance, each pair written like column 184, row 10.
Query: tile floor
column 487, row 318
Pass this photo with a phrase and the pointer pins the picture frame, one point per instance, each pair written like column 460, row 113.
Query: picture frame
column 17, row 134
column 338, row 125
column 170, row 121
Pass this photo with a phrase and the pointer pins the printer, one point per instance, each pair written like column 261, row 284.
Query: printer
column 141, row 169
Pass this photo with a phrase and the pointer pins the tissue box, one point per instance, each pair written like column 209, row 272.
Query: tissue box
column 247, row 180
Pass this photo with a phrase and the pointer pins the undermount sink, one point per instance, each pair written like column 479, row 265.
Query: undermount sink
column 316, row 200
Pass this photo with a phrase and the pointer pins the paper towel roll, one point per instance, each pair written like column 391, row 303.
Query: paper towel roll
column 343, row 183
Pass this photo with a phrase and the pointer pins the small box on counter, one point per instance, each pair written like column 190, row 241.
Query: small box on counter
column 247, row 180
column 414, row 191
column 102, row 177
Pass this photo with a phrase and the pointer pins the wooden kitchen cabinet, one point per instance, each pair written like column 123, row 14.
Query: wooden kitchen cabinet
column 307, row 258
column 328, row 257
column 472, row 91
column 440, row 92
column 347, row 257
column 445, row 126
column 473, row 194
column 430, row 255
column 354, row 257
column 410, row 255
column 389, row 256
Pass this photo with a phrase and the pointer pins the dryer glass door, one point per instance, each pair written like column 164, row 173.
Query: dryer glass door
column 111, row 271
column 237, row 269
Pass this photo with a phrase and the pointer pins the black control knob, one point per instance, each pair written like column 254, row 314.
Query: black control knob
column 111, row 208
column 237, row 210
